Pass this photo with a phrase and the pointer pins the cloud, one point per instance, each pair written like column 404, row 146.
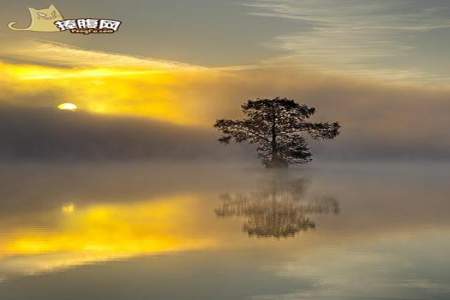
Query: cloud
column 371, row 38
column 60, row 54
column 100, row 82
column 49, row 134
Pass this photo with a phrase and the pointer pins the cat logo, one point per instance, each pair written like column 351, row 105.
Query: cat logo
column 41, row 20
column 50, row 20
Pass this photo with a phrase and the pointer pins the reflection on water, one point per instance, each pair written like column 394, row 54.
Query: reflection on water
column 121, row 232
column 280, row 208
column 100, row 232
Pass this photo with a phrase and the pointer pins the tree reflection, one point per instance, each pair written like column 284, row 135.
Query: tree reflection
column 280, row 208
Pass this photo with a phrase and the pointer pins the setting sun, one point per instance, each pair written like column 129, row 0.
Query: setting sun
column 68, row 106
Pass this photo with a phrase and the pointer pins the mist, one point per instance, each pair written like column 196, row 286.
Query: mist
column 35, row 134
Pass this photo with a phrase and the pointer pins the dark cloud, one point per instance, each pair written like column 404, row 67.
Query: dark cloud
column 50, row 134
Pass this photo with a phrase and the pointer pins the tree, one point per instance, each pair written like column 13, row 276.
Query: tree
column 277, row 126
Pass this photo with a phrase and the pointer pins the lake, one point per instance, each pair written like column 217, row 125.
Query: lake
column 354, row 230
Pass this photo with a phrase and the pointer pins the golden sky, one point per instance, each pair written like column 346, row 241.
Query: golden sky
column 105, row 83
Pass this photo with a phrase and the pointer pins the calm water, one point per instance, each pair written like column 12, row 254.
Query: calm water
column 330, row 231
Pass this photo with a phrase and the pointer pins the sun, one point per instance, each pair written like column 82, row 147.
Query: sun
column 68, row 106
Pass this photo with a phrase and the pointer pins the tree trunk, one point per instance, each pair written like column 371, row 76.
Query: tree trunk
column 276, row 161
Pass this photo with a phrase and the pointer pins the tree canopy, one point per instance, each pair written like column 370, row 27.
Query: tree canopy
column 279, row 128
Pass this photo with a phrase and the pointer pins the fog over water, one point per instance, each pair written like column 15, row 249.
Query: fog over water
column 47, row 134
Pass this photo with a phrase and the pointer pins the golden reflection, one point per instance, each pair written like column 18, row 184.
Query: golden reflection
column 80, row 235
column 280, row 208
column 68, row 208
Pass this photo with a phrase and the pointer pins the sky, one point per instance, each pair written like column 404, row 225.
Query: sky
column 380, row 68
column 400, row 38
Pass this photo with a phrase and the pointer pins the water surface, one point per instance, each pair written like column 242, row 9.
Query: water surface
column 160, row 231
